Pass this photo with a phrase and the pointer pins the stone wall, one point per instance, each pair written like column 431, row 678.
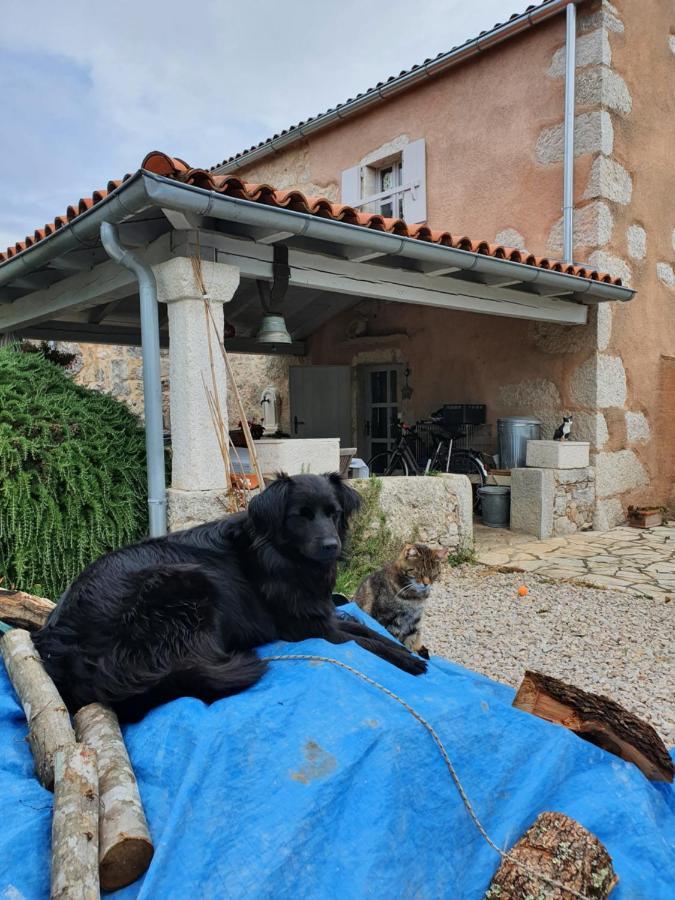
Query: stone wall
column 573, row 500
column 433, row 510
column 118, row 371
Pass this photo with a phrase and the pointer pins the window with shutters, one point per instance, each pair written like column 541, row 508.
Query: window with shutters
column 394, row 186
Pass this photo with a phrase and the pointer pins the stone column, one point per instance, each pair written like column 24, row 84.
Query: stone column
column 197, row 472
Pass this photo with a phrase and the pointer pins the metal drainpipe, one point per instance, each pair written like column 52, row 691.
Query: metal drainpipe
column 152, row 383
column 568, row 152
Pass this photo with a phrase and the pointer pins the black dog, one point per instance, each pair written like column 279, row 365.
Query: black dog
column 180, row 615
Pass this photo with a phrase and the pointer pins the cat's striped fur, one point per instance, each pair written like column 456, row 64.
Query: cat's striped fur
column 395, row 594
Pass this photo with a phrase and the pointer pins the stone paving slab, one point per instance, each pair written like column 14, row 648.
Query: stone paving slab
column 637, row 560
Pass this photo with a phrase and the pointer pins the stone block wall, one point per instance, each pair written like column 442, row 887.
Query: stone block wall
column 118, row 371
column 573, row 500
column 433, row 510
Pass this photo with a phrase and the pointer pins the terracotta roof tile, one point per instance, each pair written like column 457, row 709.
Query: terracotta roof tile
column 232, row 186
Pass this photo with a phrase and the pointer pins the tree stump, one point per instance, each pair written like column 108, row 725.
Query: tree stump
column 596, row 719
column 125, row 848
column 24, row 610
column 75, row 825
column 49, row 728
column 563, row 851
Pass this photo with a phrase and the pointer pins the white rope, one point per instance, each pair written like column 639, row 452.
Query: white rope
column 448, row 762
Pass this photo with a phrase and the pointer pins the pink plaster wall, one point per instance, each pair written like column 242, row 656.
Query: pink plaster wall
column 481, row 121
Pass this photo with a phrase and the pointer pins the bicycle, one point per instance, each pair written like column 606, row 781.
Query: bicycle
column 445, row 459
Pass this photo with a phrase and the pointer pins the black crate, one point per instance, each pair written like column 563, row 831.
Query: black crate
column 462, row 413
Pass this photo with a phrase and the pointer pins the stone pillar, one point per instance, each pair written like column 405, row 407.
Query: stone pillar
column 197, row 472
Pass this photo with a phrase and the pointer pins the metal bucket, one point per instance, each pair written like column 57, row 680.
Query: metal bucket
column 495, row 504
column 513, row 433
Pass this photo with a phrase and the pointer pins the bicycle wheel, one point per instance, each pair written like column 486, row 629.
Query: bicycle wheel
column 463, row 462
column 388, row 464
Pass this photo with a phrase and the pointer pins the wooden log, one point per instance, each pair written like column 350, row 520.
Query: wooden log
column 24, row 610
column 75, row 825
column 49, row 728
column 564, row 852
column 125, row 848
column 596, row 719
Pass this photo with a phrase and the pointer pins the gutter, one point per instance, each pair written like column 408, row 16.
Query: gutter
column 169, row 194
column 377, row 95
column 145, row 190
column 152, row 383
column 568, row 134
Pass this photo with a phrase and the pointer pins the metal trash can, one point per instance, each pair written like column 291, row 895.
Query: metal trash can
column 495, row 504
column 513, row 433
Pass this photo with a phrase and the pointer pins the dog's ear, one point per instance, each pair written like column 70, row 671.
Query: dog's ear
column 349, row 499
column 268, row 508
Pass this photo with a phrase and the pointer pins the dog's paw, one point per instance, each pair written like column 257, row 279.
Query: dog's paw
column 423, row 652
column 412, row 664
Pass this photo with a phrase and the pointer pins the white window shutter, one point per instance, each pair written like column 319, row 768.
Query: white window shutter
column 414, row 165
column 351, row 186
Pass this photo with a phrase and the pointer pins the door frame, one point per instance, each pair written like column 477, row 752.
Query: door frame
column 362, row 373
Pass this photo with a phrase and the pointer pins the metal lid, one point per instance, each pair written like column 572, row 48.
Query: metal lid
column 519, row 420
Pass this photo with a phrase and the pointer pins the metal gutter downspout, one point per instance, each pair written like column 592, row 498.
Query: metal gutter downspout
column 152, row 384
column 568, row 150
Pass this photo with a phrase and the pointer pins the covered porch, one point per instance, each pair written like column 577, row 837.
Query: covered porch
column 120, row 269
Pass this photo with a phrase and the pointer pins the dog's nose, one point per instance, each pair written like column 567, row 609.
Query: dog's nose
column 330, row 545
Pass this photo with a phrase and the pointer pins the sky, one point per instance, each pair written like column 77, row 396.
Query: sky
column 88, row 88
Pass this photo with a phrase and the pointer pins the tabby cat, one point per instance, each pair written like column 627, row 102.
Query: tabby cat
column 395, row 595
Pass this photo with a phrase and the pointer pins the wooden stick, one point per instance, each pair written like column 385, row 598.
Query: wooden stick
column 75, row 825
column 24, row 610
column 49, row 728
column 125, row 848
column 562, row 850
column 596, row 719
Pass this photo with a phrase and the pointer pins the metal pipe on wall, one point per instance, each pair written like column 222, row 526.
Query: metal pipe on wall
column 568, row 149
column 152, row 383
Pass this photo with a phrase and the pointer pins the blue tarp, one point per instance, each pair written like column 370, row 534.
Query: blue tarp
column 316, row 784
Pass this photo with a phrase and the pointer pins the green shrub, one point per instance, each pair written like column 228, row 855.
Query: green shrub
column 72, row 475
column 370, row 543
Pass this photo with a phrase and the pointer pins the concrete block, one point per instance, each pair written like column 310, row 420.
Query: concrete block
column 296, row 456
column 601, row 86
column 557, row 454
column 592, row 49
column 664, row 272
column 593, row 225
column 637, row 427
column 186, row 509
column 612, row 265
column 618, row 472
column 532, row 498
column 435, row 511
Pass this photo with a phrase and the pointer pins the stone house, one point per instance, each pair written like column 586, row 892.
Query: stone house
column 472, row 142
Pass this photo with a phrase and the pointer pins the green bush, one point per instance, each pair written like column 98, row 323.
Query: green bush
column 72, row 475
column 370, row 543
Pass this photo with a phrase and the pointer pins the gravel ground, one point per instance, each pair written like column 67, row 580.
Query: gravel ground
column 603, row 641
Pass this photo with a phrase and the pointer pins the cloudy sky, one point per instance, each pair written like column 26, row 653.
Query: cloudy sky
column 89, row 88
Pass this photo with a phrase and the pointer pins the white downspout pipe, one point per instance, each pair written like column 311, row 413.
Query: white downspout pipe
column 152, row 383
column 568, row 150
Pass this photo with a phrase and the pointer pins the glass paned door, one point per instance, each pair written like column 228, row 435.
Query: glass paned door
column 380, row 409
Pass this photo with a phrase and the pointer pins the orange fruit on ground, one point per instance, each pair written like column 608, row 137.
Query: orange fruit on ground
column 522, row 591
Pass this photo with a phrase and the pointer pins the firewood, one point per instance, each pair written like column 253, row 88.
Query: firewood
column 49, row 728
column 75, row 825
column 125, row 848
column 596, row 719
column 562, row 850
column 24, row 610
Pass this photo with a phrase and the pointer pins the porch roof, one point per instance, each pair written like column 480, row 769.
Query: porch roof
column 60, row 282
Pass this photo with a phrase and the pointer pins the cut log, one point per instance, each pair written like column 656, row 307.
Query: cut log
column 125, row 848
column 24, row 610
column 564, row 852
column 596, row 719
column 75, row 825
column 49, row 728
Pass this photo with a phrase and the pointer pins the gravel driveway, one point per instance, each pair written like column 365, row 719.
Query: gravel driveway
column 604, row 641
